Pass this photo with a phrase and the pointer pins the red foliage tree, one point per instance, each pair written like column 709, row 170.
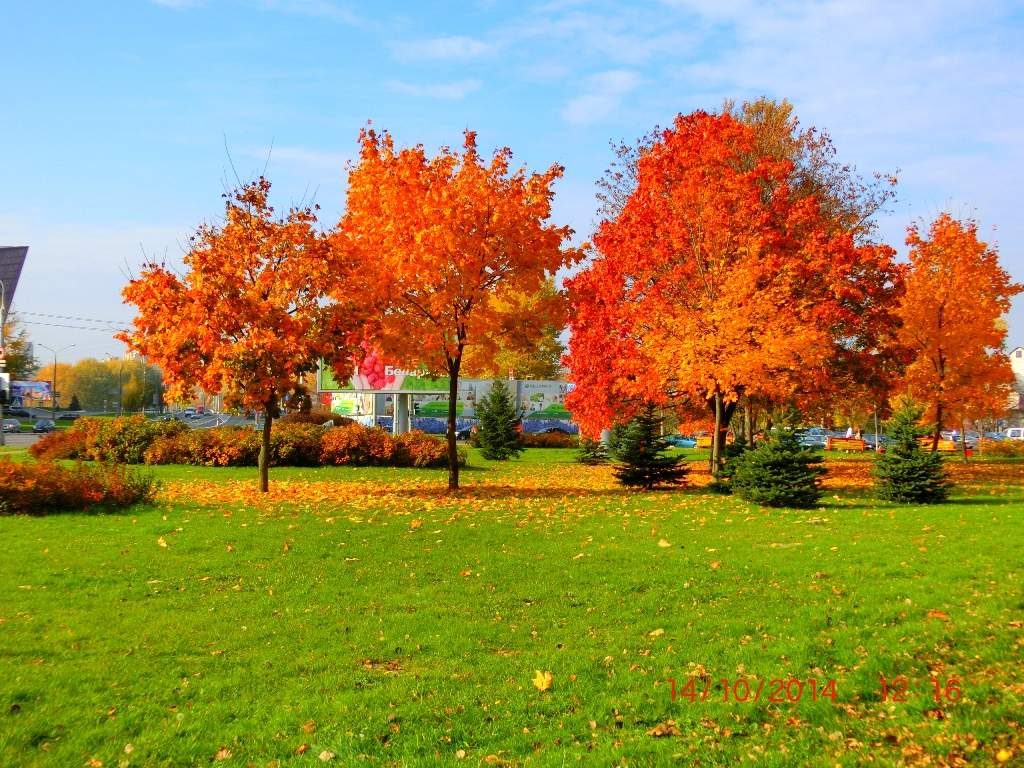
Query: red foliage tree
column 248, row 317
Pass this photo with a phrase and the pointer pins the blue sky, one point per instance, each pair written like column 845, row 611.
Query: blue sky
column 116, row 114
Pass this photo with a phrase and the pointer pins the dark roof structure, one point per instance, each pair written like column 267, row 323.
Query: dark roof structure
column 12, row 258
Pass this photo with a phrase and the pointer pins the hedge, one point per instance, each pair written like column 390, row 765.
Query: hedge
column 37, row 488
column 132, row 439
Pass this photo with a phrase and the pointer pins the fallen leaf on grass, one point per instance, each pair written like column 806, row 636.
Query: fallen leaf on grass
column 415, row 524
column 161, row 541
column 663, row 543
column 302, row 749
column 542, row 681
column 327, row 756
column 934, row 614
column 309, row 726
column 715, row 565
column 1003, row 756
column 460, row 753
column 656, row 633
column 668, row 728
column 466, row 572
column 222, row 754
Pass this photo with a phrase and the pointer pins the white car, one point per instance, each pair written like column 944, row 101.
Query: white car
column 1014, row 433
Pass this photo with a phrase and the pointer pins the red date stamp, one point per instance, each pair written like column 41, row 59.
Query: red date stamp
column 784, row 690
column 898, row 689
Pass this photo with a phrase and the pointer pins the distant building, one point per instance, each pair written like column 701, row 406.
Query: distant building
column 1017, row 363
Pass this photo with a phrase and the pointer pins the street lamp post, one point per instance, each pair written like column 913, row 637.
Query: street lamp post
column 120, row 391
column 53, row 394
column 3, row 351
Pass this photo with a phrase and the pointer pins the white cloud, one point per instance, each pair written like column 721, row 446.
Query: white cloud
column 601, row 97
column 451, row 91
column 456, row 47
column 176, row 5
column 320, row 9
column 299, row 160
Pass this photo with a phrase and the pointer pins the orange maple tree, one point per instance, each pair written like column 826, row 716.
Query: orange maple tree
column 455, row 239
column 248, row 317
column 956, row 295
column 713, row 282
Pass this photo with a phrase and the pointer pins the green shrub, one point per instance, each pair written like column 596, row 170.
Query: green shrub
column 315, row 417
column 123, row 439
column 732, row 455
column 498, row 436
column 641, row 453
column 906, row 472
column 548, row 440
column 779, row 473
column 296, row 444
column 38, row 488
column 592, row 452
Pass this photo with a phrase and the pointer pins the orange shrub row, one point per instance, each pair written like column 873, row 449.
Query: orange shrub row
column 32, row 488
column 293, row 443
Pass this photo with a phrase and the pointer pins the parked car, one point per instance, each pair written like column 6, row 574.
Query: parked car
column 1014, row 433
column 812, row 437
column 883, row 440
column 188, row 413
column 681, row 441
column 12, row 425
column 17, row 413
column 44, row 425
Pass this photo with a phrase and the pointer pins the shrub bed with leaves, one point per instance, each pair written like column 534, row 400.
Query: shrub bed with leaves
column 123, row 439
column 295, row 443
column 1000, row 448
column 38, row 488
column 548, row 440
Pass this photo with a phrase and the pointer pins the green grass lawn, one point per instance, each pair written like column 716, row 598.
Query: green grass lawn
column 361, row 612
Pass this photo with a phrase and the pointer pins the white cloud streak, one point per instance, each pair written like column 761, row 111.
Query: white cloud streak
column 601, row 97
column 449, row 91
column 456, row 47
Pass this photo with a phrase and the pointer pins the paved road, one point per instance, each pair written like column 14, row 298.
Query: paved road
column 20, row 440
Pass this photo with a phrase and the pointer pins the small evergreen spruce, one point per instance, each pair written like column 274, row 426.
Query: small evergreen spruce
column 906, row 472
column 592, row 452
column 498, row 436
column 733, row 454
column 779, row 473
column 74, row 406
column 641, row 455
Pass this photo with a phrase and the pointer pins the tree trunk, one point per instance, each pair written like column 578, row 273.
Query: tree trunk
column 716, row 437
column 453, row 396
column 938, row 426
column 264, row 461
column 748, row 425
column 963, row 439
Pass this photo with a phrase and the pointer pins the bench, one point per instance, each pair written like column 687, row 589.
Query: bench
column 944, row 446
column 844, row 444
column 704, row 441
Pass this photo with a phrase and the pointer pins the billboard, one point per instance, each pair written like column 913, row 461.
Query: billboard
column 27, row 393
column 388, row 379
